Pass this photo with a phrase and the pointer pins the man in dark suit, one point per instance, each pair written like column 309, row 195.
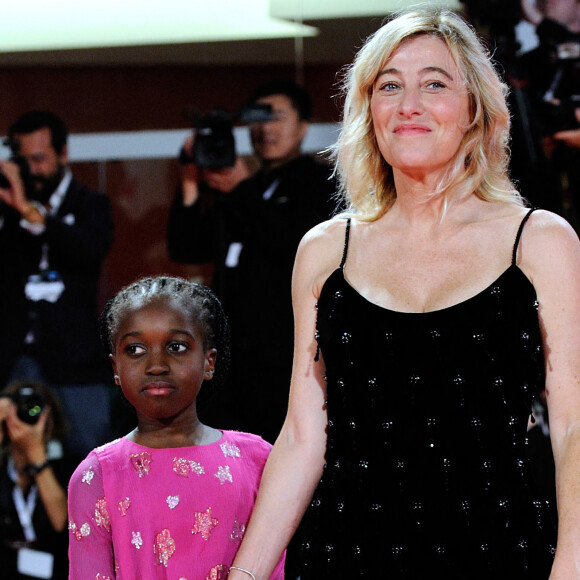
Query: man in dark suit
column 250, row 228
column 54, row 236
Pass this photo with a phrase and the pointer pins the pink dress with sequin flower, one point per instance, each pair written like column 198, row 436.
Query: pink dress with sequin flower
column 179, row 514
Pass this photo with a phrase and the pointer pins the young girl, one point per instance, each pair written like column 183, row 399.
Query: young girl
column 172, row 498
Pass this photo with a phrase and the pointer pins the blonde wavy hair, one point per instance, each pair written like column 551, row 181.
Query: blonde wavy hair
column 480, row 166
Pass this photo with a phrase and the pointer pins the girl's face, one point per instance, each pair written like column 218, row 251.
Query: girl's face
column 420, row 107
column 161, row 361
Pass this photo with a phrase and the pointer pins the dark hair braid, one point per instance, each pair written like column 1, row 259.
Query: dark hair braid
column 203, row 305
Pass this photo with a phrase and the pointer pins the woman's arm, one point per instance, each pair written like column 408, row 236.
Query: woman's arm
column 551, row 257
column 295, row 465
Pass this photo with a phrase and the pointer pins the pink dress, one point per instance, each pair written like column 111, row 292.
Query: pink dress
column 176, row 514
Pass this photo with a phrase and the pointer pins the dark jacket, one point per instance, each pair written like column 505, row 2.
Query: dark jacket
column 78, row 238
column 256, row 293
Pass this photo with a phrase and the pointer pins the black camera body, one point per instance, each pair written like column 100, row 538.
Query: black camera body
column 214, row 145
column 22, row 166
column 29, row 404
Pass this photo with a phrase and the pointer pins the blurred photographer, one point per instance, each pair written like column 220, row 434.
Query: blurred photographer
column 250, row 227
column 33, row 480
column 545, row 93
column 54, row 236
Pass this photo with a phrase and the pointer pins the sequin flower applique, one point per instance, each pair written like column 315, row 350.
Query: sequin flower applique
column 164, row 547
column 88, row 475
column 184, row 467
column 141, row 462
column 102, row 517
column 172, row 501
column 123, row 506
column 223, row 474
column 230, row 450
column 237, row 531
column 204, row 524
column 137, row 540
column 219, row 572
column 79, row 533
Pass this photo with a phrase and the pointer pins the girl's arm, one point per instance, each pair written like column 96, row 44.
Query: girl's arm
column 295, row 465
column 551, row 258
column 90, row 550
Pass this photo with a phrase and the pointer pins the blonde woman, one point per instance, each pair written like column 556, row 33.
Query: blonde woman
column 427, row 320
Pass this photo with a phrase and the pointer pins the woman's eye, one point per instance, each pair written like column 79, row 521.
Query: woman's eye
column 389, row 86
column 436, row 85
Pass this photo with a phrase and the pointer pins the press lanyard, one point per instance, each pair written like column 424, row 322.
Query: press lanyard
column 24, row 507
column 54, row 203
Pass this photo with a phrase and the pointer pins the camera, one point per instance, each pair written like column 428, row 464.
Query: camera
column 562, row 97
column 29, row 404
column 22, row 165
column 214, row 145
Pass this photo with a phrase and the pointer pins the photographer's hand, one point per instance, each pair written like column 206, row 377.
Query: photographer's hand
column 570, row 137
column 15, row 195
column 190, row 174
column 227, row 178
column 28, row 443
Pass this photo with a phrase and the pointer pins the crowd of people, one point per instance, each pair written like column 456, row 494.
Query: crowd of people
column 365, row 389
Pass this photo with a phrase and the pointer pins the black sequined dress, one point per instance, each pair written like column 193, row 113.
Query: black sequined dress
column 426, row 471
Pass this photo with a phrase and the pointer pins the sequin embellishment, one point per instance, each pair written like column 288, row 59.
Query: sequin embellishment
column 141, row 462
column 124, row 505
column 137, row 540
column 102, row 518
column 230, row 450
column 88, row 475
column 79, row 533
column 219, row 572
column 172, row 501
column 164, row 546
column 184, row 467
column 223, row 474
column 99, row 576
column 204, row 524
column 237, row 531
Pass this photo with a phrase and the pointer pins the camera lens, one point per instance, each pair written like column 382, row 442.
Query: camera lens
column 29, row 405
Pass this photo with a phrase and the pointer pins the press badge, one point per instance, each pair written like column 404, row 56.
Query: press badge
column 47, row 285
column 35, row 563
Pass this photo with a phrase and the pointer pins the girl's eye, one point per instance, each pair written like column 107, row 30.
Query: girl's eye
column 134, row 349
column 177, row 347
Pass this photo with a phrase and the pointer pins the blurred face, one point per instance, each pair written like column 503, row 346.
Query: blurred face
column 46, row 165
column 278, row 141
column 420, row 108
column 161, row 361
column 562, row 11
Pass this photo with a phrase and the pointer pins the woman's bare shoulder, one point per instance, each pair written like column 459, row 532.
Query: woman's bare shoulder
column 548, row 243
column 320, row 252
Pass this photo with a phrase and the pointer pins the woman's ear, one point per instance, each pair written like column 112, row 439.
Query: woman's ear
column 210, row 360
column 114, row 365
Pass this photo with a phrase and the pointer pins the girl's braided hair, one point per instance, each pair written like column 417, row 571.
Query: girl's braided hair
column 201, row 303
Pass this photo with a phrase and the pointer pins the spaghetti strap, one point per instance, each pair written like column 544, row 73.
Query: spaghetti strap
column 519, row 234
column 346, row 239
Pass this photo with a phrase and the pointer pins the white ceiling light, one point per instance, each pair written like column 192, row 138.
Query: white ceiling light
column 30, row 25
column 322, row 9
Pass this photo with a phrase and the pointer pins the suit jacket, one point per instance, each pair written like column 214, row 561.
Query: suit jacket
column 255, row 291
column 78, row 238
